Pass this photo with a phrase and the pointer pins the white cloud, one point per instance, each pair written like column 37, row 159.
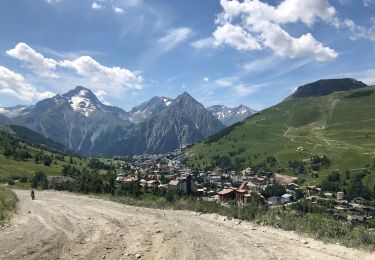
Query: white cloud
column 52, row 1
column 203, row 43
column 12, row 83
column 226, row 82
column 85, row 66
column 206, row 79
column 97, row 6
column 89, row 68
column 33, row 60
column 101, row 95
column 174, row 37
column 253, row 25
column 245, row 90
column 118, row 10
column 361, row 31
column 235, row 36
column 260, row 65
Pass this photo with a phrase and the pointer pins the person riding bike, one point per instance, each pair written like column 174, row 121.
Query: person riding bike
column 32, row 194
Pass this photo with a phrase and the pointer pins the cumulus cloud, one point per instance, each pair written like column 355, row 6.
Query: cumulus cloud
column 174, row 37
column 84, row 66
column 254, row 25
column 12, row 83
column 89, row 68
column 235, row 36
column 118, row 10
column 33, row 60
column 97, row 6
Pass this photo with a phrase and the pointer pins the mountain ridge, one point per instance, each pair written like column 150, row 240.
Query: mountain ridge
column 231, row 115
column 325, row 87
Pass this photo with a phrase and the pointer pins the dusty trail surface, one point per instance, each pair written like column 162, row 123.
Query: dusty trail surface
column 61, row 225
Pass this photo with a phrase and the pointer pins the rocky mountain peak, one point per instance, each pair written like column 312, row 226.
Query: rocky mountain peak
column 325, row 87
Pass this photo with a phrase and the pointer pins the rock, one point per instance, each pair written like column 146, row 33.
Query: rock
column 239, row 222
column 305, row 242
column 138, row 256
column 158, row 231
column 29, row 211
column 256, row 245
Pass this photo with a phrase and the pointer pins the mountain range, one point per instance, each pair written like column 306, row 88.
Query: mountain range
column 80, row 122
column 231, row 115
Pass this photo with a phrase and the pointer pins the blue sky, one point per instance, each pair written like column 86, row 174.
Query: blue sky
column 221, row 52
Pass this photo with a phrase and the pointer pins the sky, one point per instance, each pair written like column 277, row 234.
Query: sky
column 229, row 52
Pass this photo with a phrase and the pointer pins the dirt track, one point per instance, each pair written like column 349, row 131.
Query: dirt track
column 65, row 226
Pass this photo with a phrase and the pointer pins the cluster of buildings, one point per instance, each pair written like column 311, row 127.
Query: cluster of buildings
column 168, row 171
column 355, row 210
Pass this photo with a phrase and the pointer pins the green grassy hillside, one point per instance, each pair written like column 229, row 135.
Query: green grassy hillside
column 19, row 158
column 340, row 126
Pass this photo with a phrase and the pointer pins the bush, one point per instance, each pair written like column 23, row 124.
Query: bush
column 8, row 201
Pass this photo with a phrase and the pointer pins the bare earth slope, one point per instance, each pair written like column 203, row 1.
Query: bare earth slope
column 65, row 226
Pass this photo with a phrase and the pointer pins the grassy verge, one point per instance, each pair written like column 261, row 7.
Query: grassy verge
column 320, row 226
column 8, row 201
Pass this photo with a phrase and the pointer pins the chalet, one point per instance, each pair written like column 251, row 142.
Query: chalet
column 313, row 190
column 185, row 185
column 227, row 194
column 129, row 180
column 240, row 196
column 359, row 200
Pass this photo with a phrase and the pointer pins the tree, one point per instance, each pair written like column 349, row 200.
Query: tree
column 357, row 189
column 39, row 179
column 332, row 182
column 47, row 160
column 274, row 190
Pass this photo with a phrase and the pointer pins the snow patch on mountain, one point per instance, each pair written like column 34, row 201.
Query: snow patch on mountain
column 167, row 101
column 82, row 104
column 229, row 115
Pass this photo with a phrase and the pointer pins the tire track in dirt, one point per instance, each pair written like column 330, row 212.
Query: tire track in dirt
column 60, row 225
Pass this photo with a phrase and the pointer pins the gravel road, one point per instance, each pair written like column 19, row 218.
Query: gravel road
column 59, row 225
